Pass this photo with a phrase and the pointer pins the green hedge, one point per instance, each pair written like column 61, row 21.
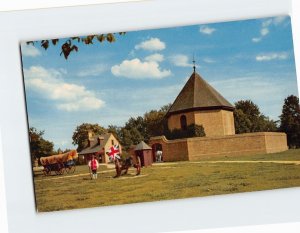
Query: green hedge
column 192, row 130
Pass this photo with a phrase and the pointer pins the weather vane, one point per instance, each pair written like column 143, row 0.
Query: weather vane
column 194, row 66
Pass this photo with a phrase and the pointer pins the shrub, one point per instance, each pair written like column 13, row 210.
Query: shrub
column 192, row 130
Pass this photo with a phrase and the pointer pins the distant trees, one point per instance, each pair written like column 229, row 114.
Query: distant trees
column 80, row 135
column 290, row 120
column 141, row 128
column 156, row 122
column 135, row 130
column 61, row 151
column 39, row 147
column 248, row 118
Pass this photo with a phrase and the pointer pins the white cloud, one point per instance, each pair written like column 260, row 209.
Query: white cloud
column 92, row 71
column 153, row 44
column 272, row 56
column 181, row 60
column 155, row 57
column 132, row 53
column 267, row 23
column 207, row 30
column 137, row 69
column 84, row 103
column 28, row 50
column 208, row 60
column 256, row 39
column 49, row 84
column 279, row 20
column 264, row 31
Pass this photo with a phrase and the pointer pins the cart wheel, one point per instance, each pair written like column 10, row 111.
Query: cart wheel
column 46, row 171
column 58, row 169
column 67, row 169
column 72, row 169
column 59, row 172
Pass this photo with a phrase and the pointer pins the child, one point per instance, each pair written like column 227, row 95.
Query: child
column 93, row 166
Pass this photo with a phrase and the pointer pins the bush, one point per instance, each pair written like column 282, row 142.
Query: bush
column 192, row 130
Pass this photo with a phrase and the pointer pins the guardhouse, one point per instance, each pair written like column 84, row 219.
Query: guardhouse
column 144, row 152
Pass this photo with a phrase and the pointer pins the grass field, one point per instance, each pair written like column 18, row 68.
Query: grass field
column 165, row 181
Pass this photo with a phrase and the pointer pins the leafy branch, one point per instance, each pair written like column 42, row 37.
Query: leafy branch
column 70, row 44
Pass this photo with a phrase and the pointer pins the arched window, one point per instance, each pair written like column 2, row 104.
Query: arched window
column 183, row 122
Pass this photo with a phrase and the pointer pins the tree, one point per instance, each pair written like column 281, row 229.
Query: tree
column 138, row 124
column 61, row 151
column 39, row 147
column 115, row 130
column 125, row 138
column 156, row 122
column 241, row 121
column 71, row 44
column 136, row 136
column 166, row 108
column 248, row 118
column 290, row 120
column 80, row 135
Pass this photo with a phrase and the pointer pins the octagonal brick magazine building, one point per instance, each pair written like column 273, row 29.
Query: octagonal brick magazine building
column 199, row 103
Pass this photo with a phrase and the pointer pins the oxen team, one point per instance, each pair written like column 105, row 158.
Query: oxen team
column 120, row 165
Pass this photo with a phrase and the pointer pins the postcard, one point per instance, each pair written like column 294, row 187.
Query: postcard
column 162, row 114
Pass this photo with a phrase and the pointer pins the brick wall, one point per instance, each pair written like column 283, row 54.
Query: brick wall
column 275, row 141
column 173, row 150
column 232, row 145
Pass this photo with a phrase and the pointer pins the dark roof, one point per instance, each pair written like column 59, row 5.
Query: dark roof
column 142, row 146
column 94, row 144
column 197, row 94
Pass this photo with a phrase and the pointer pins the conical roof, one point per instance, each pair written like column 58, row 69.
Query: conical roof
column 197, row 94
column 142, row 146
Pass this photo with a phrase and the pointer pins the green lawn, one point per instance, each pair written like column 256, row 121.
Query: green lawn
column 167, row 181
column 290, row 155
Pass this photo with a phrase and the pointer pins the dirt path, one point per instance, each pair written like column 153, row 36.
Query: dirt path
column 169, row 165
column 231, row 161
column 45, row 178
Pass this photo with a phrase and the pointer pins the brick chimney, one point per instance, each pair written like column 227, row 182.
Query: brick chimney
column 90, row 134
column 90, row 137
column 100, row 140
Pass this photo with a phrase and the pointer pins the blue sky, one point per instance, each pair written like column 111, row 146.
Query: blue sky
column 108, row 83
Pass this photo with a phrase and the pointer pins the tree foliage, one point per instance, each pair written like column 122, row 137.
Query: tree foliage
column 39, row 147
column 248, row 118
column 156, row 122
column 71, row 44
column 142, row 128
column 125, row 138
column 135, row 130
column 80, row 135
column 115, row 130
column 290, row 120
